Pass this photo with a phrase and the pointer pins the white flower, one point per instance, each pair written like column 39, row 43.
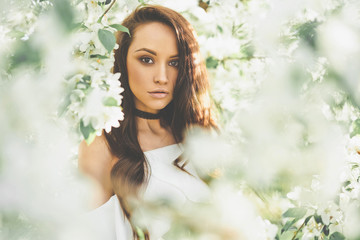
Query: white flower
column 295, row 194
column 84, row 40
column 222, row 46
column 93, row 106
column 354, row 191
column 353, row 148
column 238, row 214
column 179, row 6
column 336, row 227
column 330, row 213
column 77, row 95
column 94, row 11
column 315, row 184
column 112, row 117
column 207, row 151
column 344, row 200
column 311, row 230
column 351, row 221
column 339, row 42
column 267, row 230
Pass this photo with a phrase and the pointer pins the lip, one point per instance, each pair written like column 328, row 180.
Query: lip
column 159, row 93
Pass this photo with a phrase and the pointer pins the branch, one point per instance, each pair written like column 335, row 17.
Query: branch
column 297, row 231
column 106, row 11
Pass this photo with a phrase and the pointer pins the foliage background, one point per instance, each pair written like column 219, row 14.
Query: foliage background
column 285, row 78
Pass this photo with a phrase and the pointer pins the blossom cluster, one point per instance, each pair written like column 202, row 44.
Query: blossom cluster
column 284, row 77
column 95, row 99
column 323, row 219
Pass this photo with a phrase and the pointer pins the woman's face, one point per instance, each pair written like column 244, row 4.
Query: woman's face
column 152, row 65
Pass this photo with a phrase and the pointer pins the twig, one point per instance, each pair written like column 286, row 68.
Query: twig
column 297, row 231
column 107, row 10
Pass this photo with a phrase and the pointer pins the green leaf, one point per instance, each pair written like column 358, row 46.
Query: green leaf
column 78, row 25
column 354, row 165
column 212, row 62
column 84, row 83
column 64, row 105
column 249, row 50
column 86, row 78
column 295, row 213
column 288, row 224
column 337, row 236
column 140, row 233
column 308, row 219
column 110, row 102
column 104, row 3
column 88, row 132
column 107, row 39
column 120, row 27
column 98, row 56
column 355, row 128
column 326, row 230
column 15, row 34
column 287, row 236
column 318, row 219
column 307, row 32
column 346, row 183
column 64, row 12
column 27, row 54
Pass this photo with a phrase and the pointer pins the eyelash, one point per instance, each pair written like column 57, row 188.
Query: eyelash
column 174, row 61
column 143, row 59
column 146, row 60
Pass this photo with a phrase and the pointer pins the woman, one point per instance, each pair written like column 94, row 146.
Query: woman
column 165, row 93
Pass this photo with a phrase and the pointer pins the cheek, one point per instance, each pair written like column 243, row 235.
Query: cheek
column 173, row 77
column 135, row 75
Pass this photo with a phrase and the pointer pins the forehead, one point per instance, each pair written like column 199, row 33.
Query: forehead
column 156, row 36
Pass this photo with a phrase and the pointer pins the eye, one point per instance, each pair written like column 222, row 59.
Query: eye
column 146, row 60
column 174, row 63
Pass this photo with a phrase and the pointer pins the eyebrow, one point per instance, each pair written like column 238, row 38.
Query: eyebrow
column 153, row 52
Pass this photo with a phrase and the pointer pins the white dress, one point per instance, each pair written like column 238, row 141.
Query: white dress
column 166, row 182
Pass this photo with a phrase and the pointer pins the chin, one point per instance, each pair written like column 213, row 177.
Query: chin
column 160, row 107
column 154, row 106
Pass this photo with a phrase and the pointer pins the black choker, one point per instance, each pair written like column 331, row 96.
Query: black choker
column 146, row 115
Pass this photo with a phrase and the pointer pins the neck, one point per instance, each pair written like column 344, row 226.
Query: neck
column 152, row 125
column 147, row 115
column 152, row 135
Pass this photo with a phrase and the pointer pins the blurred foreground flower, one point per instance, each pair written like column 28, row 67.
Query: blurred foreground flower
column 285, row 81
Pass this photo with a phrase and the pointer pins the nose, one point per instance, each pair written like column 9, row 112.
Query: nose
column 160, row 76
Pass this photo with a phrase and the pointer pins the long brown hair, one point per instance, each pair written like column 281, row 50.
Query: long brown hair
column 191, row 104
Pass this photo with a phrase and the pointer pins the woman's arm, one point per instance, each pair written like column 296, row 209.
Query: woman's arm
column 96, row 161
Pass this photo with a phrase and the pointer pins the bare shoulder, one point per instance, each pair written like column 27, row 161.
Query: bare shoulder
column 95, row 160
column 95, row 157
